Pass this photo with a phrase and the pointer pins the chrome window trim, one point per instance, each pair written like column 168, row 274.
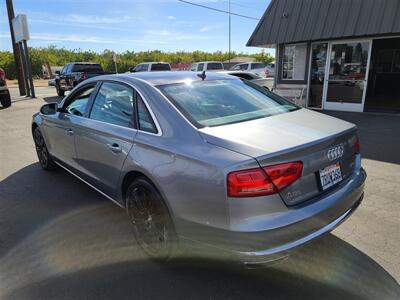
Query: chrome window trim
column 124, row 82
column 166, row 99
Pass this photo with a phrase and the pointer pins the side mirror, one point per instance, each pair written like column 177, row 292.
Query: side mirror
column 49, row 109
column 57, row 72
column 132, row 70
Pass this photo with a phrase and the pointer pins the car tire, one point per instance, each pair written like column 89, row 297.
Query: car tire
column 153, row 226
column 46, row 161
column 60, row 92
column 5, row 100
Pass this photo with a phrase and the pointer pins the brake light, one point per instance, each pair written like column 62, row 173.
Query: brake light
column 84, row 76
column 2, row 74
column 266, row 72
column 263, row 181
column 357, row 146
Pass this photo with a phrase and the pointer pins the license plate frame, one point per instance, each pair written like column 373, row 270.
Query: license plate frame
column 330, row 176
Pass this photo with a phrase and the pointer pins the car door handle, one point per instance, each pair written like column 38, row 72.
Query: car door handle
column 70, row 132
column 115, row 148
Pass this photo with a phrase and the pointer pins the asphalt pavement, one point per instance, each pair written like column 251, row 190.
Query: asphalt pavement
column 59, row 239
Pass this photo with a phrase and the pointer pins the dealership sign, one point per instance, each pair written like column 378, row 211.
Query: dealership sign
column 20, row 28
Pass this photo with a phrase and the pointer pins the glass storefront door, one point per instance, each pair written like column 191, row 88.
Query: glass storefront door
column 346, row 83
column 319, row 53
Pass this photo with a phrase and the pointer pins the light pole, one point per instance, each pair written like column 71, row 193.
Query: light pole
column 229, row 14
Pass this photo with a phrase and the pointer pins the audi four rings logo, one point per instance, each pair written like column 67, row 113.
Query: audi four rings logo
column 336, row 152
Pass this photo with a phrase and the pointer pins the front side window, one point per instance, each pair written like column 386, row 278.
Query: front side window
column 78, row 103
column 220, row 102
column 200, row 67
column 294, row 62
column 114, row 104
column 244, row 67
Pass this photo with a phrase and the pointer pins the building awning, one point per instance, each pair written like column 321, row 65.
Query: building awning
column 292, row 21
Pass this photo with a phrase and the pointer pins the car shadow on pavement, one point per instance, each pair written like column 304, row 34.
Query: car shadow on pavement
column 61, row 240
column 379, row 134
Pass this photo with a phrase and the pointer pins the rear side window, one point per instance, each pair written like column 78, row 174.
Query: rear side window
column 257, row 66
column 160, row 67
column 90, row 68
column 215, row 66
column 114, row 105
column 145, row 121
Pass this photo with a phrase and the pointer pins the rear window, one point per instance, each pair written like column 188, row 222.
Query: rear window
column 220, row 102
column 160, row 67
column 215, row 66
column 257, row 66
column 87, row 68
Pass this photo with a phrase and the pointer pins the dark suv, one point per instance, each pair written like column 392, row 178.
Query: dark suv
column 5, row 98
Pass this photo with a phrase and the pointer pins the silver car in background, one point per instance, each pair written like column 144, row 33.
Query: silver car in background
column 206, row 158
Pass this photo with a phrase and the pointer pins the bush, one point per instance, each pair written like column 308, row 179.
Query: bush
column 60, row 56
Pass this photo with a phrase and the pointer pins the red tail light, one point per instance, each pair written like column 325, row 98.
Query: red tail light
column 357, row 146
column 355, row 142
column 2, row 74
column 84, row 76
column 263, row 181
column 266, row 72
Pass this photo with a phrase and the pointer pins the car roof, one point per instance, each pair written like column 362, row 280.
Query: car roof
column 160, row 78
column 153, row 62
column 209, row 61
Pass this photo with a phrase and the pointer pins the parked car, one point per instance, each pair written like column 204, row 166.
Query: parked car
column 212, row 66
column 51, row 82
column 261, row 81
column 270, row 70
column 258, row 68
column 74, row 73
column 213, row 160
column 5, row 99
column 151, row 66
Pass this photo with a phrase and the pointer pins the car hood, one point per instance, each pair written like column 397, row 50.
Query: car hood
column 277, row 133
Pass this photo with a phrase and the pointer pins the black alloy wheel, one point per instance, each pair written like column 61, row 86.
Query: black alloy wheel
column 45, row 159
column 152, row 224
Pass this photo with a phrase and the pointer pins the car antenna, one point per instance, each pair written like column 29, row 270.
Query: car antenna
column 202, row 75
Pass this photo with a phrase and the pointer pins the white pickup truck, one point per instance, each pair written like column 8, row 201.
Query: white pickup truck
column 213, row 66
column 259, row 68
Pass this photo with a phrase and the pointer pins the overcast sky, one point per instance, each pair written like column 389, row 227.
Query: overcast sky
column 121, row 25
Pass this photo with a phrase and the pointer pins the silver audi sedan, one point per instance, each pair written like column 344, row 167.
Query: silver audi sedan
column 205, row 159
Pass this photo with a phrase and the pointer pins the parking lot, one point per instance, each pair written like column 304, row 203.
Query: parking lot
column 60, row 239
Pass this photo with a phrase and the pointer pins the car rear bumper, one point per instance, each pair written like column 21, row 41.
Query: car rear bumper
column 293, row 228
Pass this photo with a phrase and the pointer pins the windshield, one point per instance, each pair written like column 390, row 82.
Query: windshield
column 87, row 68
column 220, row 102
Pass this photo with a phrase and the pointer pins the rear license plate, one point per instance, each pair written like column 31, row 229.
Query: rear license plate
column 330, row 175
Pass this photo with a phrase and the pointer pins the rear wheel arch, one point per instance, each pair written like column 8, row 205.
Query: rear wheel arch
column 130, row 177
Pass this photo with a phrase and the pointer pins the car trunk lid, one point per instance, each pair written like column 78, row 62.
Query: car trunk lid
column 301, row 135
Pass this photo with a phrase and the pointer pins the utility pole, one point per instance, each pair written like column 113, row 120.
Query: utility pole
column 229, row 52
column 16, row 50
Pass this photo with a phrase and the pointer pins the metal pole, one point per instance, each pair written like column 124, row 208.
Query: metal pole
column 26, row 74
column 16, row 50
column 23, row 64
column 229, row 53
column 29, row 69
